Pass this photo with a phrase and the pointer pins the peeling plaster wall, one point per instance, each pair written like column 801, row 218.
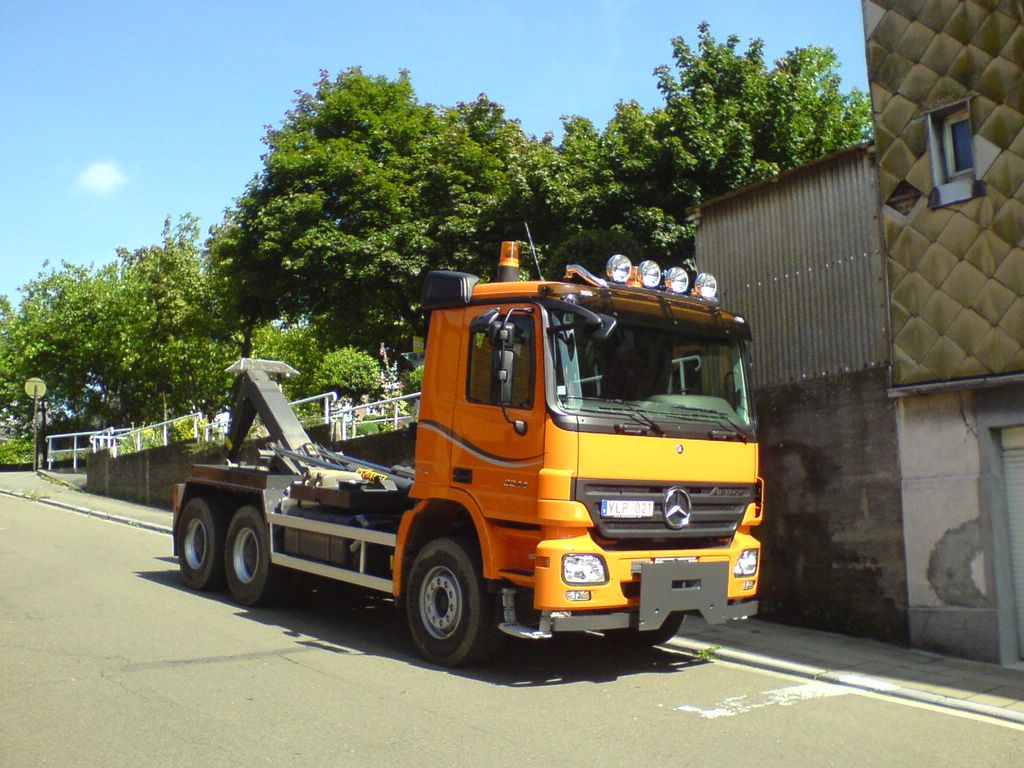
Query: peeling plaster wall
column 954, row 521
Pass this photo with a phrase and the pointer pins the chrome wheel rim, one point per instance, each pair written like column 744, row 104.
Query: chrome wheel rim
column 245, row 555
column 441, row 603
column 194, row 547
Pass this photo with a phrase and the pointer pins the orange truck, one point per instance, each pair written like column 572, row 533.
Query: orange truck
column 585, row 461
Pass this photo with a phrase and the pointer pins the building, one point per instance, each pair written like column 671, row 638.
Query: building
column 885, row 287
column 947, row 90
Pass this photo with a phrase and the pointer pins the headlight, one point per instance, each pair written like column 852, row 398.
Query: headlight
column 619, row 268
column 746, row 565
column 584, row 569
column 650, row 274
column 677, row 280
column 706, row 286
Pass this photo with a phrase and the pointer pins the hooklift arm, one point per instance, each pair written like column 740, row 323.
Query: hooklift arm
column 260, row 394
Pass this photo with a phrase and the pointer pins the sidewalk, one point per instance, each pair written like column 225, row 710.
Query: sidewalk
column 67, row 492
column 967, row 686
column 891, row 670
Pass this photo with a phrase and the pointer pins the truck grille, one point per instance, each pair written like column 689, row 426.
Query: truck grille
column 715, row 511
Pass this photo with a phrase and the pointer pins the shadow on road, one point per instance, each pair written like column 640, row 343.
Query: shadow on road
column 339, row 619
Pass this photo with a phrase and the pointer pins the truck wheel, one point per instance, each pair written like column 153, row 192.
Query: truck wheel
column 251, row 578
column 201, row 533
column 452, row 618
column 634, row 638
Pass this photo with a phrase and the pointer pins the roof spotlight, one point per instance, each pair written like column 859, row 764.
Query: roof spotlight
column 619, row 268
column 650, row 274
column 706, row 286
column 677, row 280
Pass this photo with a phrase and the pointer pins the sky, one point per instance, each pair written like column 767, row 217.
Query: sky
column 116, row 115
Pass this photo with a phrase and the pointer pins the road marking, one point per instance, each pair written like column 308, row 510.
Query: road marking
column 784, row 697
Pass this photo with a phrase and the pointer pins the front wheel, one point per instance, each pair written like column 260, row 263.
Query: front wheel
column 251, row 578
column 451, row 616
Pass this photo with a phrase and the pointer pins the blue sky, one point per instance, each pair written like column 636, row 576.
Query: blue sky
column 114, row 115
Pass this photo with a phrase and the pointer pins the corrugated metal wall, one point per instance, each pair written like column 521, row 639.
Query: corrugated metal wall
column 800, row 259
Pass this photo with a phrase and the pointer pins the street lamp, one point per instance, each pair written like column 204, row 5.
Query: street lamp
column 35, row 388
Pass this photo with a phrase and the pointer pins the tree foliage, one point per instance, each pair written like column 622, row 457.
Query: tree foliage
column 363, row 190
column 102, row 338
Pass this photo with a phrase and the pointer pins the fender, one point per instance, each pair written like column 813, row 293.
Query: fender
column 480, row 524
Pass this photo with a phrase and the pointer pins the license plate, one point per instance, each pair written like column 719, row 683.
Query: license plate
column 627, row 509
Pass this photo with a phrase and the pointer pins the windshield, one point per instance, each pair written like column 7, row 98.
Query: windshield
column 653, row 371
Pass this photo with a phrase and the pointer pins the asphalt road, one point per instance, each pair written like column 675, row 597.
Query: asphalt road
column 106, row 660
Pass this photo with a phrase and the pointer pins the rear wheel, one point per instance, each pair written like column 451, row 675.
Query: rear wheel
column 634, row 638
column 451, row 616
column 201, row 532
column 251, row 577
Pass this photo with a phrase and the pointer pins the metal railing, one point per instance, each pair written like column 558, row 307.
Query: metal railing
column 81, row 443
column 329, row 398
column 394, row 411
column 125, row 439
column 150, row 435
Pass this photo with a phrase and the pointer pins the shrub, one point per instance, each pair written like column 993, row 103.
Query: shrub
column 17, row 450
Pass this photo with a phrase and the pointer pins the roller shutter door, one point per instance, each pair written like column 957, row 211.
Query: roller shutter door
column 1013, row 472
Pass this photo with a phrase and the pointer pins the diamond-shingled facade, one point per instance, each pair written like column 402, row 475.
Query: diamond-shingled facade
column 956, row 272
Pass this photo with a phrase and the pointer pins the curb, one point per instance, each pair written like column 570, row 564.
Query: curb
column 848, row 679
column 109, row 516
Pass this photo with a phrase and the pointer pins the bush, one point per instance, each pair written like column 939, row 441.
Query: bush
column 17, row 450
column 413, row 381
column 350, row 372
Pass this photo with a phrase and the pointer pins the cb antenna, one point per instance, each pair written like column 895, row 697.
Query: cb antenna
column 533, row 250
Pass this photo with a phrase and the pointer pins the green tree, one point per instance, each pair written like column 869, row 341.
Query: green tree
column 728, row 120
column 102, row 338
column 363, row 190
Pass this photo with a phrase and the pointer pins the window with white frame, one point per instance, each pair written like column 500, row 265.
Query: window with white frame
column 951, row 145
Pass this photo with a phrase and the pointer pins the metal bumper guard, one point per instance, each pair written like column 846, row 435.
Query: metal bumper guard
column 672, row 586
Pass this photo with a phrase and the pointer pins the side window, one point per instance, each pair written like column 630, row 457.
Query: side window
column 482, row 386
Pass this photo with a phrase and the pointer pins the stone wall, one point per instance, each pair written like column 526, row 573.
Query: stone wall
column 832, row 536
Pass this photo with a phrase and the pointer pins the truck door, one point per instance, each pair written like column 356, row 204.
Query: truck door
column 490, row 459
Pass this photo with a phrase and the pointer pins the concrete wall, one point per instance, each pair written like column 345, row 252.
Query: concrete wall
column 833, row 544
column 954, row 518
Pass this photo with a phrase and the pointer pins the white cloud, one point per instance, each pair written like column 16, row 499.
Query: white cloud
column 101, row 177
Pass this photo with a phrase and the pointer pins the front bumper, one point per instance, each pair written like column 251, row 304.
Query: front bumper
column 665, row 588
column 644, row 588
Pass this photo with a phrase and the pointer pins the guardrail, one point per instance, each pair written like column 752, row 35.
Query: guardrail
column 394, row 411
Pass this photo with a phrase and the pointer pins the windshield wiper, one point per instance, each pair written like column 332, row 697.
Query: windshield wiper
column 638, row 415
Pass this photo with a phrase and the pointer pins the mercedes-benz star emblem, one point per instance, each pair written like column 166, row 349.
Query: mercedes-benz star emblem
column 677, row 508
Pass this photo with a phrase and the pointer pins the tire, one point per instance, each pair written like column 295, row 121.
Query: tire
column 251, row 578
column 451, row 616
column 634, row 638
column 201, row 532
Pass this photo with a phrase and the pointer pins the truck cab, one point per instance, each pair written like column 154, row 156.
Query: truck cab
column 599, row 441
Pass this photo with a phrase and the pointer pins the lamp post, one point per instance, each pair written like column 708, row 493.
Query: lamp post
column 35, row 388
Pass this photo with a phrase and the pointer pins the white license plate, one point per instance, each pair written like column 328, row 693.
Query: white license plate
column 627, row 509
